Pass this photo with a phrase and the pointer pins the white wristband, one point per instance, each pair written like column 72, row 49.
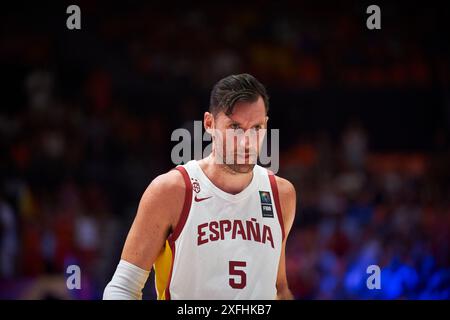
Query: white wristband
column 127, row 282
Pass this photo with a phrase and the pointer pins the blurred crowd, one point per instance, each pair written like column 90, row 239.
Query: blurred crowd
column 359, row 209
column 86, row 119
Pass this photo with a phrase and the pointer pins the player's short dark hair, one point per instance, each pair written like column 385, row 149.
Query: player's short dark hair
column 235, row 88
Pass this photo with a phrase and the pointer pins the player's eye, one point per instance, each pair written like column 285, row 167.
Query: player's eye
column 235, row 126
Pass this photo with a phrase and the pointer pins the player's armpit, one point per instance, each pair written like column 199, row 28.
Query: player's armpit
column 157, row 214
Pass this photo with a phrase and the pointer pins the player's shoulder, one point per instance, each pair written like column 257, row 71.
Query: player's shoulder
column 165, row 187
column 164, row 196
column 170, row 181
column 285, row 187
column 288, row 199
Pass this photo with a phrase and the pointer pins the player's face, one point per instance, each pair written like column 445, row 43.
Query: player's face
column 238, row 137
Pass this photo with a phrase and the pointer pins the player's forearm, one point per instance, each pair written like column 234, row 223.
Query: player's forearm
column 285, row 294
column 127, row 283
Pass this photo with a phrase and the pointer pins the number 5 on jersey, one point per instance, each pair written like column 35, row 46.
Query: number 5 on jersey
column 234, row 271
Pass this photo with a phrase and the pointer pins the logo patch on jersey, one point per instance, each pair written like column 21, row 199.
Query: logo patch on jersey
column 265, row 197
column 266, row 204
column 195, row 185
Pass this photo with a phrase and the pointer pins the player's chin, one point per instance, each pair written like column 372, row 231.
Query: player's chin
column 242, row 168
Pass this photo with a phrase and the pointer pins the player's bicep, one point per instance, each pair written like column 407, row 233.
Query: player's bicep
column 154, row 218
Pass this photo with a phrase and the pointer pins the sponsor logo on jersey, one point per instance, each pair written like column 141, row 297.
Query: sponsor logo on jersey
column 197, row 199
column 266, row 204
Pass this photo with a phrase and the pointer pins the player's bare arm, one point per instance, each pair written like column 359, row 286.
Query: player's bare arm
column 287, row 196
column 157, row 215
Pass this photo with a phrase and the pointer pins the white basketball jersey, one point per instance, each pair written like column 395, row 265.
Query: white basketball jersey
column 225, row 246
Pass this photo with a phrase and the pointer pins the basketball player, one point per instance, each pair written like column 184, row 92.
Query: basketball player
column 214, row 229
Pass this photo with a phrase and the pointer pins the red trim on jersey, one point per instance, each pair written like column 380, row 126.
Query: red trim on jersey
column 181, row 222
column 186, row 207
column 273, row 184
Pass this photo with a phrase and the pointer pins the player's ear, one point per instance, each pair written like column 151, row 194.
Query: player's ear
column 267, row 120
column 208, row 122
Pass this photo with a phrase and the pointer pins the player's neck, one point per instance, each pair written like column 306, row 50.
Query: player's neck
column 223, row 177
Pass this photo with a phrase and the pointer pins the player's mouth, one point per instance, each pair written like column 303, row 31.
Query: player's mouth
column 246, row 156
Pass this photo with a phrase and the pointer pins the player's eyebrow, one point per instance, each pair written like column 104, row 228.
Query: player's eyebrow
column 233, row 122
